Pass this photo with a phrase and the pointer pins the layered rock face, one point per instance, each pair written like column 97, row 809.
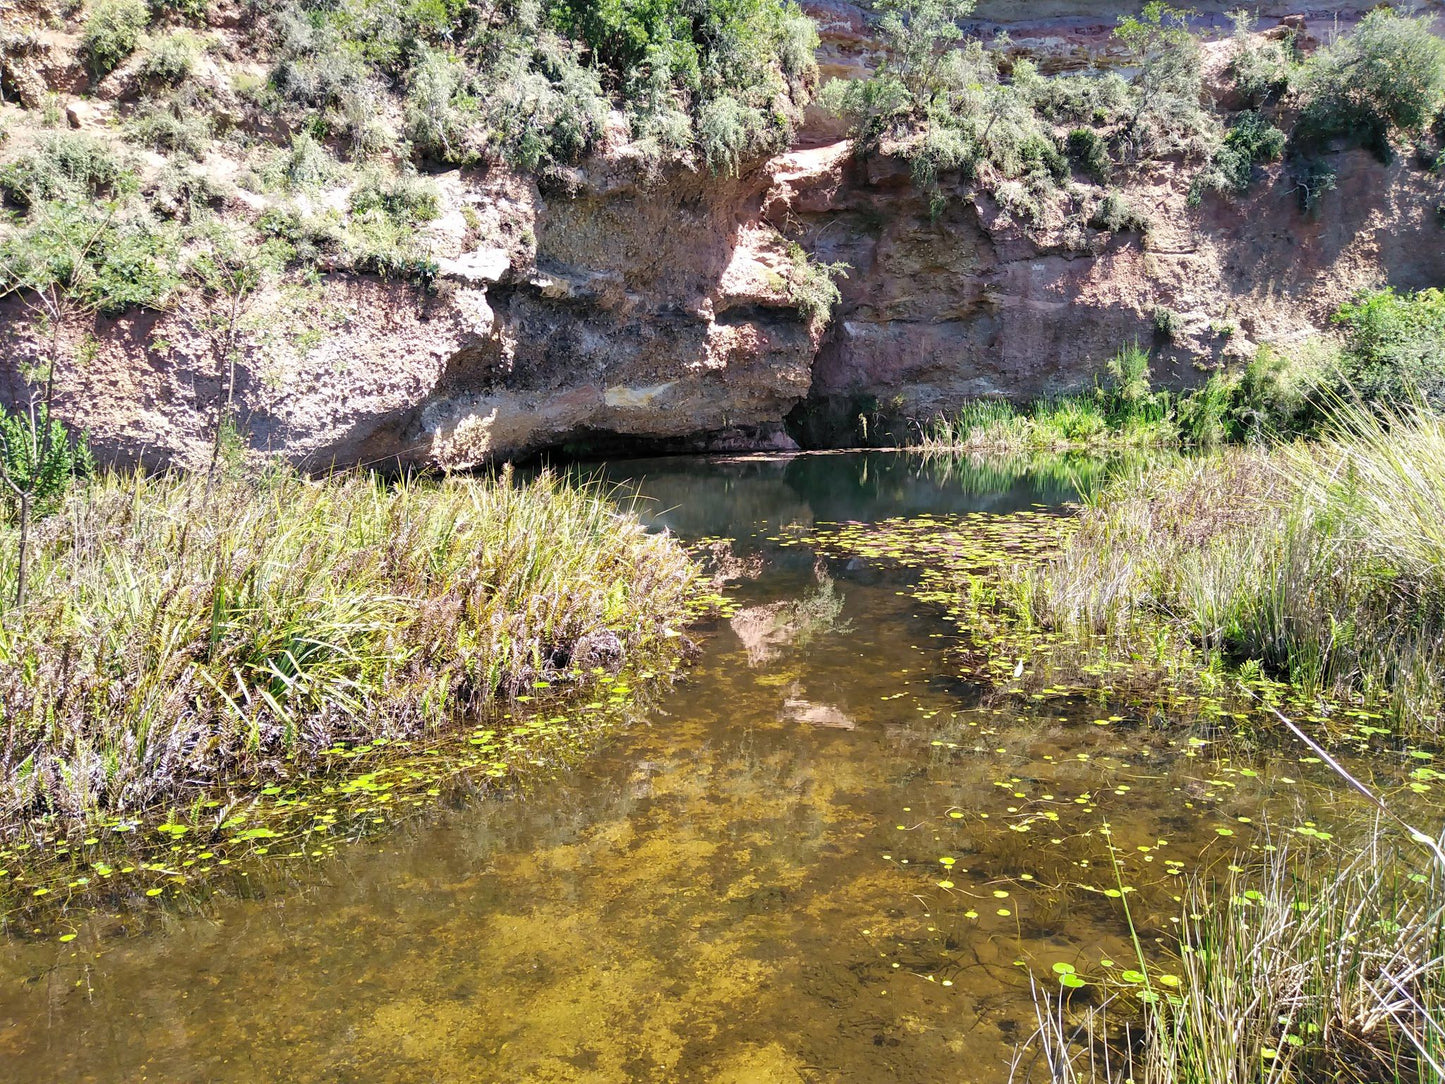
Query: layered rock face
column 969, row 304
column 617, row 311
column 614, row 315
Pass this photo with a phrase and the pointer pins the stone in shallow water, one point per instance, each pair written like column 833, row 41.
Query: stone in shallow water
column 815, row 714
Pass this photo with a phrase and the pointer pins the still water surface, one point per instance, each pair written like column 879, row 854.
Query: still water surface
column 823, row 858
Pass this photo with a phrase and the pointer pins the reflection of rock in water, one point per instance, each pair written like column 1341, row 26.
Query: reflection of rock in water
column 800, row 710
column 764, row 630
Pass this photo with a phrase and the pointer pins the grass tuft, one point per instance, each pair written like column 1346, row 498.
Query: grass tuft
column 1283, row 977
column 173, row 639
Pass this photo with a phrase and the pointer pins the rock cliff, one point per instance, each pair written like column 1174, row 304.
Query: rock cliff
column 617, row 310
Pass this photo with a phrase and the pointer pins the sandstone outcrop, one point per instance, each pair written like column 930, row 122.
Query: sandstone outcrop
column 619, row 311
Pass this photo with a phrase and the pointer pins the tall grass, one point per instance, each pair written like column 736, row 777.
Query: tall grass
column 1272, row 396
column 1323, row 563
column 175, row 638
column 1123, row 410
column 1075, row 422
column 1284, row 976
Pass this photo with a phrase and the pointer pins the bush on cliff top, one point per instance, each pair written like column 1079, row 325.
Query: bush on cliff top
column 991, row 119
column 1385, row 75
column 531, row 82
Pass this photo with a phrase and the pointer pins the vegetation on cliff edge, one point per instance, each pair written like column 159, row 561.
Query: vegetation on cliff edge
column 1051, row 151
column 319, row 163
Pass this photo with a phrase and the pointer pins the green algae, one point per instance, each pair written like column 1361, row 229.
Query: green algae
column 366, row 791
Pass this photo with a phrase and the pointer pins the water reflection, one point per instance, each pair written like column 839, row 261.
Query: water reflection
column 749, row 496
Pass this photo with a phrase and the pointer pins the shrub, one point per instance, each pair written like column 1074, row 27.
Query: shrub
column 872, row 105
column 1039, row 155
column 1278, row 395
column 1312, row 179
column 170, row 125
column 306, row 163
column 546, row 109
column 137, row 265
column 170, row 60
column 360, row 120
column 112, row 31
column 181, row 190
column 63, row 164
column 1395, row 347
column 733, row 71
column 1084, row 98
column 1203, row 414
column 193, row 11
column 1387, row 74
column 1250, row 139
column 380, row 244
column 1022, row 203
column 708, row 47
column 1259, row 67
column 1090, row 152
column 917, row 35
column 316, row 64
column 942, row 149
column 105, row 257
column 438, row 115
column 920, row 70
column 812, row 286
column 662, row 133
column 1129, row 395
column 1116, row 214
column 309, row 237
column 1167, row 90
column 727, row 131
column 405, row 197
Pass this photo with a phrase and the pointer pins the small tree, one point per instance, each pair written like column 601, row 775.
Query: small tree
column 919, row 35
column 921, row 64
column 227, row 270
column 38, row 458
column 1170, row 80
column 47, row 267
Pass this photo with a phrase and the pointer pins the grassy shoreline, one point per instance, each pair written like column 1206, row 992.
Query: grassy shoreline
column 1321, row 565
column 1304, row 573
column 176, row 639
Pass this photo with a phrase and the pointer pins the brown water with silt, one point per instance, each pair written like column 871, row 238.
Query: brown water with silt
column 824, row 857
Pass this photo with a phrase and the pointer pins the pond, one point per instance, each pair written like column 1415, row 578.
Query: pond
column 824, row 855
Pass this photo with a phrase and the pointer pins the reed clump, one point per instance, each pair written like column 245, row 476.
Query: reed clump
column 180, row 634
column 1323, row 564
column 1283, row 976
column 1123, row 411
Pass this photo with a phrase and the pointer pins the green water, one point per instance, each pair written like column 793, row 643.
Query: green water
column 823, row 857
